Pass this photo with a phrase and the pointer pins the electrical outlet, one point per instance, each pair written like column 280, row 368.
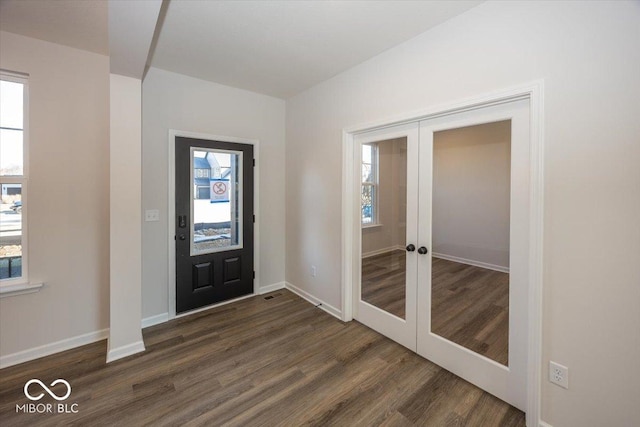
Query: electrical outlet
column 313, row 271
column 559, row 374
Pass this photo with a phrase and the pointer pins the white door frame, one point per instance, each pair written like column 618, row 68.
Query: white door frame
column 171, row 216
column 533, row 91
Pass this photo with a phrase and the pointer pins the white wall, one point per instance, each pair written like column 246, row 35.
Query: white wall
column 471, row 184
column 173, row 101
column 588, row 55
column 391, row 230
column 125, row 337
column 68, row 195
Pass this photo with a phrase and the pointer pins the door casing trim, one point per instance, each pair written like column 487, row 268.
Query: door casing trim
column 534, row 91
column 171, row 213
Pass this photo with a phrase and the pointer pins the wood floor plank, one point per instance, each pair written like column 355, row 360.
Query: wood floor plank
column 377, row 390
column 396, row 419
column 275, row 362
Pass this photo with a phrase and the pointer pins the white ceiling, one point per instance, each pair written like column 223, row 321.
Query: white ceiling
column 279, row 48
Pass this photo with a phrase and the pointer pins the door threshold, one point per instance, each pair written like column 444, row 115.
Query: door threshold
column 209, row 307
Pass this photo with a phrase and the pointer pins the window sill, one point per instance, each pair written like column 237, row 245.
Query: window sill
column 365, row 226
column 25, row 288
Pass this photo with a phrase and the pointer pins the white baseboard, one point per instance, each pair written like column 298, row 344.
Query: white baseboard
column 155, row 320
column 124, row 351
column 270, row 288
column 471, row 262
column 383, row 251
column 544, row 424
column 69, row 343
column 51, row 348
column 315, row 301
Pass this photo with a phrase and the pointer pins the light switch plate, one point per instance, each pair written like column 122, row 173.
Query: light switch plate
column 152, row 215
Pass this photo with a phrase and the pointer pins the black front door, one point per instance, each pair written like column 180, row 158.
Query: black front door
column 214, row 222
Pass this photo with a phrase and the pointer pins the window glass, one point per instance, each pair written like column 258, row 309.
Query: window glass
column 11, row 127
column 369, row 183
column 216, row 208
column 11, row 179
column 11, row 152
column 11, row 104
column 367, row 204
column 11, row 231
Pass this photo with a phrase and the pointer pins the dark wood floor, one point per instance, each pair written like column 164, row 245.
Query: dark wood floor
column 384, row 281
column 470, row 306
column 270, row 362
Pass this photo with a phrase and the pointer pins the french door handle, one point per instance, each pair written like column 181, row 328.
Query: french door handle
column 410, row 247
column 422, row 250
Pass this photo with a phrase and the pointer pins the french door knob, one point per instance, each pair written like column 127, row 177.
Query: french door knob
column 411, row 247
column 422, row 250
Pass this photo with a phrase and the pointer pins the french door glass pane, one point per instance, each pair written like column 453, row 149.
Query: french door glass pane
column 383, row 272
column 470, row 237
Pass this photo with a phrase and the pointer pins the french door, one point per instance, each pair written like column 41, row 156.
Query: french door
column 386, row 297
column 214, row 222
column 445, row 232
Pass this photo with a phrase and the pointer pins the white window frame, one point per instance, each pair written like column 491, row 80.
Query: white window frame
column 19, row 285
column 375, row 184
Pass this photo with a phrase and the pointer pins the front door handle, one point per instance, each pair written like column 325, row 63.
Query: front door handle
column 182, row 237
column 422, row 250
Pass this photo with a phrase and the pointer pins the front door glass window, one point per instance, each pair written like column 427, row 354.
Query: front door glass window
column 216, row 200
